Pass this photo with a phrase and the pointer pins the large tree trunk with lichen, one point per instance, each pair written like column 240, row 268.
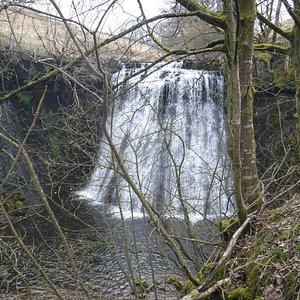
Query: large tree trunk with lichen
column 234, row 105
column 239, row 43
column 251, row 186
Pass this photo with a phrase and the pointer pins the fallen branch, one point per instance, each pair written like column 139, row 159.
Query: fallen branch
column 208, row 292
column 225, row 255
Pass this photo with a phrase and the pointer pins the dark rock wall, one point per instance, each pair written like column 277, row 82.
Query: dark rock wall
column 274, row 120
column 64, row 141
column 274, row 123
column 19, row 181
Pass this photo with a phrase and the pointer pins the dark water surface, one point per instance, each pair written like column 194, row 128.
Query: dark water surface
column 109, row 254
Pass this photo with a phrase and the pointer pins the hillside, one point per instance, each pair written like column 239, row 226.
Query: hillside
column 264, row 264
column 26, row 30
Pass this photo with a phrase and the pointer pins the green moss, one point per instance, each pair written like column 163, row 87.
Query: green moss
column 228, row 227
column 283, row 72
column 19, row 204
column 13, row 203
column 292, row 288
column 293, row 144
column 202, row 274
column 55, row 145
column 270, row 47
column 274, row 252
column 188, row 287
column 194, row 292
column 266, row 57
column 54, row 134
column 240, row 293
column 175, row 282
column 253, row 279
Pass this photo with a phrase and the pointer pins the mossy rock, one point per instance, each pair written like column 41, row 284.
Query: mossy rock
column 240, row 293
column 14, row 203
column 263, row 76
column 273, row 72
column 263, row 56
column 228, row 227
column 173, row 280
column 283, row 78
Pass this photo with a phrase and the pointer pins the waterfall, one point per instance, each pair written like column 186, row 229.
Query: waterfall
column 168, row 124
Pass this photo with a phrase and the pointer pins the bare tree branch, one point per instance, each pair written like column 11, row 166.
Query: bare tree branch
column 286, row 34
column 204, row 13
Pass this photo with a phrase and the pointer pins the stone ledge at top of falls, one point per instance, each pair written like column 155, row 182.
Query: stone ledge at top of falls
column 35, row 33
column 188, row 64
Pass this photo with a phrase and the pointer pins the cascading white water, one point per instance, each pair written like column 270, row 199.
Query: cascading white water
column 168, row 124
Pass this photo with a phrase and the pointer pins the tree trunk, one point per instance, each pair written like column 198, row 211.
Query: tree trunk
column 234, row 105
column 296, row 58
column 251, row 185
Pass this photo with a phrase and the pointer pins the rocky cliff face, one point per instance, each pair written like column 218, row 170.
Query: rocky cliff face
column 17, row 180
column 274, row 119
column 63, row 142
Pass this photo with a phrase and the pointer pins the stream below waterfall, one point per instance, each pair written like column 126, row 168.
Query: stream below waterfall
column 109, row 254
